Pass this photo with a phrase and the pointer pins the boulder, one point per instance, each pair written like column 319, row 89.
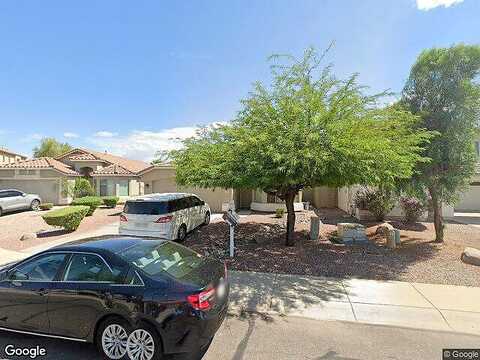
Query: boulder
column 28, row 236
column 471, row 256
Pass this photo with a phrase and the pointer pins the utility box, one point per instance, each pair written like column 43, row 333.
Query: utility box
column 314, row 227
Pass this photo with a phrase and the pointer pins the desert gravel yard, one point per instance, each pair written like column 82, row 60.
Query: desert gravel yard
column 14, row 225
column 260, row 247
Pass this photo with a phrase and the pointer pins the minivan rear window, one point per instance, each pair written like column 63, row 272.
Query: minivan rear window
column 147, row 207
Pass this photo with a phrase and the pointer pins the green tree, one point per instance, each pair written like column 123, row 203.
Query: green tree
column 50, row 147
column 306, row 129
column 443, row 91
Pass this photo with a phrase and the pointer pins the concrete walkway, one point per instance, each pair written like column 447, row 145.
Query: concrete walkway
column 414, row 305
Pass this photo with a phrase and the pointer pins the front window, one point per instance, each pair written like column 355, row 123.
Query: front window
column 123, row 188
column 155, row 257
column 107, row 187
column 43, row 268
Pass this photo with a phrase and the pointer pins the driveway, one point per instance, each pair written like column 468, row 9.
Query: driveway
column 286, row 338
column 468, row 218
column 14, row 225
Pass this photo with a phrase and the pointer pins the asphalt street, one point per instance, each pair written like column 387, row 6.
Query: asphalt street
column 254, row 337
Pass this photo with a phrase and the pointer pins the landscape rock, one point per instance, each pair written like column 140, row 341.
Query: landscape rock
column 471, row 256
column 384, row 229
column 28, row 236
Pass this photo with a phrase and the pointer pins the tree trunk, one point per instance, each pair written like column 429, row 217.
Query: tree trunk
column 437, row 215
column 289, row 199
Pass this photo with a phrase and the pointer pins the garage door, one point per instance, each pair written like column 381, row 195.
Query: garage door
column 47, row 189
column 470, row 200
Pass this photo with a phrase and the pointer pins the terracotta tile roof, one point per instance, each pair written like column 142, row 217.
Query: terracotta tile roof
column 41, row 163
column 81, row 156
column 133, row 166
column 113, row 170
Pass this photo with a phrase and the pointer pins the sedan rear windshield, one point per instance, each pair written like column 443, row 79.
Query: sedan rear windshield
column 155, row 257
column 147, row 207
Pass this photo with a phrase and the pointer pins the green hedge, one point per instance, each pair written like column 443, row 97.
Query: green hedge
column 91, row 201
column 46, row 206
column 110, row 201
column 69, row 218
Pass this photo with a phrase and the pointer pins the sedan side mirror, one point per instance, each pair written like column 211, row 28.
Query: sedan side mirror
column 24, row 194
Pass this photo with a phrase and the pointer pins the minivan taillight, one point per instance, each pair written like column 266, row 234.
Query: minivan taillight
column 123, row 218
column 164, row 219
column 201, row 301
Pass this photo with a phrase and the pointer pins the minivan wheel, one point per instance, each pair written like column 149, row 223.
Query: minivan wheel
column 112, row 338
column 207, row 218
column 1, row 212
column 35, row 205
column 144, row 344
column 182, row 233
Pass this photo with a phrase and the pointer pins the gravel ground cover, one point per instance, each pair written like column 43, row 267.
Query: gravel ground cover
column 260, row 247
column 14, row 225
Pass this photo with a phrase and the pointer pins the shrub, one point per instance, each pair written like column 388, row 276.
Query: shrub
column 412, row 208
column 378, row 201
column 91, row 201
column 279, row 212
column 69, row 218
column 110, row 201
column 46, row 206
column 82, row 188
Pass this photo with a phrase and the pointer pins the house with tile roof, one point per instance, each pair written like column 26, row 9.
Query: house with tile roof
column 48, row 177
column 7, row 156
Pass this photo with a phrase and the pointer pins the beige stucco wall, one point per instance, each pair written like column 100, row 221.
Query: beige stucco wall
column 162, row 180
column 9, row 158
column 324, row 196
column 7, row 173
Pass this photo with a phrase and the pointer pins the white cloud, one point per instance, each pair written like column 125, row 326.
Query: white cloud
column 142, row 145
column 32, row 138
column 430, row 4
column 105, row 134
column 70, row 135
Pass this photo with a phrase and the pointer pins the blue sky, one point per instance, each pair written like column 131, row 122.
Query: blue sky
column 129, row 76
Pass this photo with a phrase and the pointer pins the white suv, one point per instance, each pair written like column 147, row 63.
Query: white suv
column 168, row 216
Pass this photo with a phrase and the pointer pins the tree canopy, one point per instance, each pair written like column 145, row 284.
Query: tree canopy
column 50, row 147
column 306, row 129
column 443, row 90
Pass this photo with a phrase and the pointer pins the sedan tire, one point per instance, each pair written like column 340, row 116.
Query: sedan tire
column 112, row 337
column 182, row 233
column 206, row 221
column 35, row 205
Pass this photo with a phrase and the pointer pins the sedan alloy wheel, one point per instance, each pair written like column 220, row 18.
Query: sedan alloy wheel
column 140, row 345
column 114, row 341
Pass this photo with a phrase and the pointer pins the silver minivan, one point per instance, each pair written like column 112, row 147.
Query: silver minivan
column 168, row 216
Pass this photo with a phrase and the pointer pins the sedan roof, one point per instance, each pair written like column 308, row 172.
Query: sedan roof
column 111, row 243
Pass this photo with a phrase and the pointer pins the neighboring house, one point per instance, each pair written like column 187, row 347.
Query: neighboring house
column 7, row 156
column 117, row 176
column 46, row 177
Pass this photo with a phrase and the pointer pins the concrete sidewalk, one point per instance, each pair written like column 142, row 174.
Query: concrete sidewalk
column 413, row 305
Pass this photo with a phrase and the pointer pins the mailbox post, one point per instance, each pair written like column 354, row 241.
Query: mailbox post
column 232, row 218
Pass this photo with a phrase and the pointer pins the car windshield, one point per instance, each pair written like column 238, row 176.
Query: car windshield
column 146, row 207
column 155, row 257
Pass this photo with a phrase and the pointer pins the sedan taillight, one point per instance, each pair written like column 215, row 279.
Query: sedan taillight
column 164, row 219
column 201, row 301
column 123, row 218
